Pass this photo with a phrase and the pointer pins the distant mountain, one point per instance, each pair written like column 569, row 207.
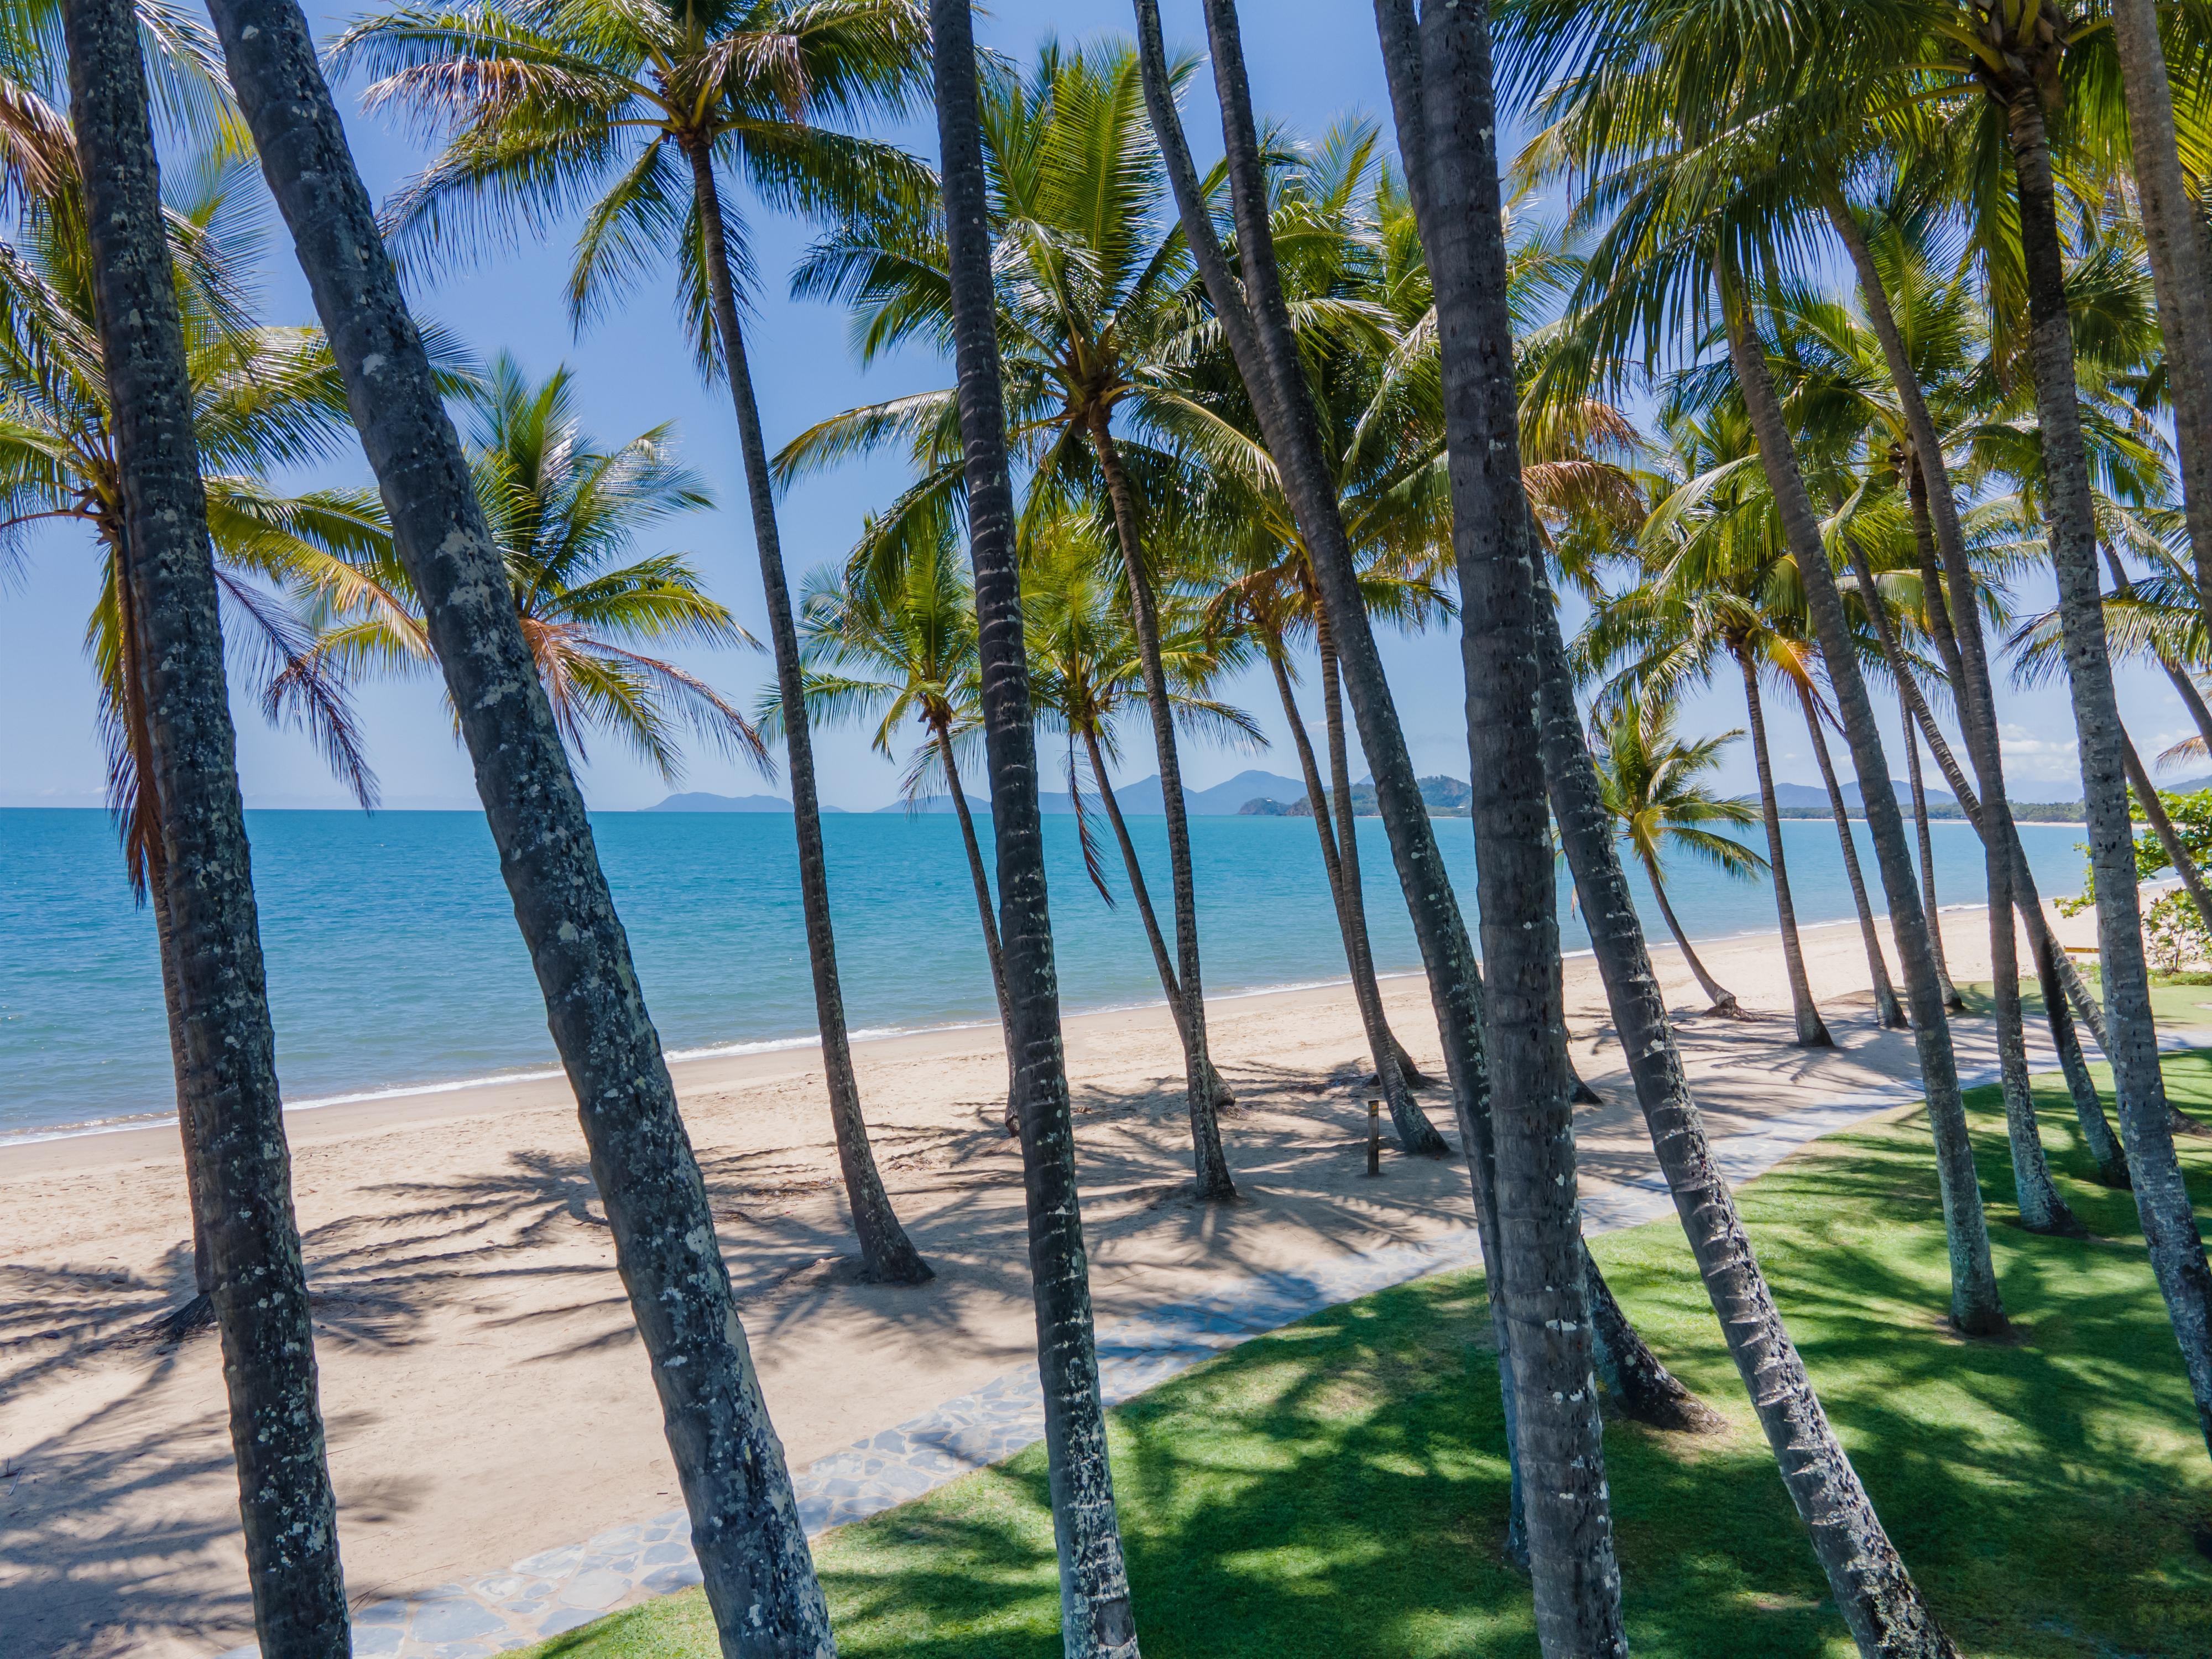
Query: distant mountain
column 1447, row 798
column 698, row 802
column 1223, row 800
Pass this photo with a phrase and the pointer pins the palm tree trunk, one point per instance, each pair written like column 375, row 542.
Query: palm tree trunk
column 1267, row 361
column 1966, row 661
column 1645, row 1389
column 1446, row 105
column 1416, row 1134
column 2161, row 825
column 1343, row 824
column 1209, row 1164
column 1097, row 1621
column 2176, row 1250
column 1722, row 999
column 1877, row 1597
column 143, row 851
column 984, row 907
column 2089, row 1109
column 1951, row 1000
column 1162, row 959
column 2041, row 1209
column 1812, row 1030
column 745, row 1528
column 1976, row 1307
column 887, row 1254
column 229, row 1095
column 200, row 1309
column 1886, row 1008
column 2178, row 271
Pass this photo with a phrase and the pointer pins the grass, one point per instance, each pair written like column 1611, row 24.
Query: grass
column 1338, row 1490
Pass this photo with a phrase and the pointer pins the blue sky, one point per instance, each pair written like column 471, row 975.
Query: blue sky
column 1313, row 62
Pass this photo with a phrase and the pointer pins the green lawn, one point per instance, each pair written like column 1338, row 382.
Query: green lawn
column 1338, row 1490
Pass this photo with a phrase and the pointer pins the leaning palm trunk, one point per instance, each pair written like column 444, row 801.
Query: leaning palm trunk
column 1812, row 1030
column 2041, row 1209
column 1265, row 349
column 1416, row 1134
column 751, row 1546
column 1976, row 1306
column 200, row 1309
column 143, row 848
column 1447, row 118
column 1096, row 1619
column 1163, row 959
column 1926, row 842
column 2089, row 1109
column 984, row 907
column 1345, row 827
column 2174, row 230
column 228, row 1095
column 1886, row 1008
column 1279, row 398
column 887, row 1254
column 1936, row 533
column 1722, row 999
column 2176, row 1250
column 1206, row 1096
column 1877, row 1597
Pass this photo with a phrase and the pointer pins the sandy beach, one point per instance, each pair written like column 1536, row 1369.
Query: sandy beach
column 480, row 1381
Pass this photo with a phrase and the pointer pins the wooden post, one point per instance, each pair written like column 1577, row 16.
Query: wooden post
column 1374, row 1137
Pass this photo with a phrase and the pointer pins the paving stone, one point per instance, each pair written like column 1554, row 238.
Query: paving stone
column 451, row 1619
column 552, row 1564
column 597, row 1588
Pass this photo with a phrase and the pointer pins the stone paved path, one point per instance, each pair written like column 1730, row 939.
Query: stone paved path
column 558, row 1589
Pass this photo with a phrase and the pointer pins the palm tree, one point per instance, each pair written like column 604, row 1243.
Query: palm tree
column 759, row 1580
column 895, row 642
column 262, row 397
column 1086, row 672
column 1445, row 103
column 1876, row 1596
column 564, row 512
column 1649, row 776
column 229, row 1095
column 1265, row 347
column 1716, row 592
column 1271, row 606
column 2171, row 224
column 1092, row 309
column 549, row 101
column 1928, row 325
column 1097, row 1621
column 2015, row 67
column 1352, row 257
column 1692, row 234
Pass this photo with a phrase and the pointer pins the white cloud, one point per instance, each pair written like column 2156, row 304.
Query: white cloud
column 2031, row 756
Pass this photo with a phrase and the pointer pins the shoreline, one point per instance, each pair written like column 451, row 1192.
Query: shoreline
column 398, row 1095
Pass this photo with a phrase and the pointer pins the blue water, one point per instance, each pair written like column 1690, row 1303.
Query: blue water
column 394, row 963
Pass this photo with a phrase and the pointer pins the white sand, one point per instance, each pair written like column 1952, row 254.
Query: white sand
column 481, row 1379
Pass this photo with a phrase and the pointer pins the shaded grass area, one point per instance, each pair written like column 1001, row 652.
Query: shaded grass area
column 1339, row 1489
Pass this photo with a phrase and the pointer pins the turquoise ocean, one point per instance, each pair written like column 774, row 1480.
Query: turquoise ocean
column 394, row 964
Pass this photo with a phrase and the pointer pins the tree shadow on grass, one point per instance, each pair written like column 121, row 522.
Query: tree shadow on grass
column 1340, row 1488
